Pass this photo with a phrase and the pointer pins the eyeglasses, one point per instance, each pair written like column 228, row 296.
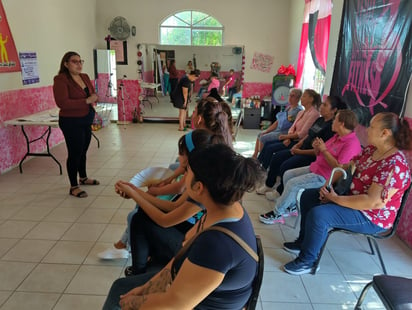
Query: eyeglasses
column 77, row 62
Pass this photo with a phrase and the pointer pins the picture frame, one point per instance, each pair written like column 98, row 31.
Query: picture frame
column 120, row 48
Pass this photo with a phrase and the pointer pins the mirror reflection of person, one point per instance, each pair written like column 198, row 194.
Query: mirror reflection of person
column 173, row 76
column 180, row 96
column 75, row 95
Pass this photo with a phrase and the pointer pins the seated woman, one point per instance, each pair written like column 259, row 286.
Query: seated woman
column 311, row 101
column 208, row 114
column 215, row 272
column 157, row 228
column 302, row 153
column 336, row 151
column 382, row 175
column 284, row 121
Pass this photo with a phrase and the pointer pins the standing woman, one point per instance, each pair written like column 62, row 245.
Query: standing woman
column 75, row 95
column 181, row 94
column 173, row 77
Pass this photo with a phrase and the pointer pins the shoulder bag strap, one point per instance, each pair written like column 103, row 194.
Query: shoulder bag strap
column 226, row 231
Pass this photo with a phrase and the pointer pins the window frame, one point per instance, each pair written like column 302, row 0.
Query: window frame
column 192, row 27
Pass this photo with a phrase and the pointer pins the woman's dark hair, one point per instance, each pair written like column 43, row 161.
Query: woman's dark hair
column 215, row 95
column 66, row 58
column 337, row 103
column 399, row 127
column 215, row 118
column 317, row 100
column 228, row 111
column 348, row 118
column 195, row 72
column 200, row 138
column 226, row 174
column 214, row 74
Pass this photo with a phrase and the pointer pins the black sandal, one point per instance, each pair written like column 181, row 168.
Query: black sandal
column 91, row 181
column 81, row 194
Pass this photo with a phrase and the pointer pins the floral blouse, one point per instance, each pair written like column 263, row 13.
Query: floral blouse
column 390, row 172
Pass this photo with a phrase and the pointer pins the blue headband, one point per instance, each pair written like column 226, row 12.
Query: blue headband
column 189, row 142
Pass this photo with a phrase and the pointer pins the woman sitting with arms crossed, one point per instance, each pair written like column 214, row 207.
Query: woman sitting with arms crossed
column 382, row 175
column 284, row 121
column 158, row 227
column 337, row 150
column 302, row 153
column 215, row 272
column 311, row 101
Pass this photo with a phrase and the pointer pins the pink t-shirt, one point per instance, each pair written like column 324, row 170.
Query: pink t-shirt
column 390, row 172
column 304, row 120
column 231, row 81
column 214, row 83
column 342, row 148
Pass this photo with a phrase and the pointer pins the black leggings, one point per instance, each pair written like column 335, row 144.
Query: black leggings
column 77, row 133
column 149, row 239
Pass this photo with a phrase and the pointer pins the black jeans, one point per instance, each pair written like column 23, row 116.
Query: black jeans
column 149, row 239
column 77, row 133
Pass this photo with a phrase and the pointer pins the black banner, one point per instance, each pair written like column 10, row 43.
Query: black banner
column 374, row 62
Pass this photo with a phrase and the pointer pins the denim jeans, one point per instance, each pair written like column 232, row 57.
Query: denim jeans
column 295, row 161
column 295, row 180
column 122, row 286
column 317, row 219
column 269, row 148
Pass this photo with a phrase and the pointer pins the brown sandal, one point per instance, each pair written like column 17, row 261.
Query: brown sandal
column 87, row 181
column 81, row 194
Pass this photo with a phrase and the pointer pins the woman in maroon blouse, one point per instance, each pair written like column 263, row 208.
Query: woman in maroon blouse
column 75, row 95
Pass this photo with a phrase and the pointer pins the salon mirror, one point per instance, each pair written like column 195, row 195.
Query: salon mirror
column 154, row 56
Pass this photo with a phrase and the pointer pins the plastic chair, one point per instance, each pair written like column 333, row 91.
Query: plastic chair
column 394, row 292
column 257, row 282
column 237, row 124
column 373, row 244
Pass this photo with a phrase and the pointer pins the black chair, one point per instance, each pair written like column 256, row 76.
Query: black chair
column 373, row 244
column 394, row 292
column 257, row 282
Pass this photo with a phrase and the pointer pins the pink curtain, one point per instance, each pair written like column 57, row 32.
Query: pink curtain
column 315, row 35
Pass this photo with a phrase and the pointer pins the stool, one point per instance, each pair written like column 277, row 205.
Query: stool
column 395, row 292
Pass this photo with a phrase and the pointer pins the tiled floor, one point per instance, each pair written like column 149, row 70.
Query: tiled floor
column 49, row 240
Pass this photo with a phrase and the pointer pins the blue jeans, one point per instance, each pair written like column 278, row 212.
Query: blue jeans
column 122, row 286
column 295, row 161
column 318, row 219
column 270, row 147
column 295, row 180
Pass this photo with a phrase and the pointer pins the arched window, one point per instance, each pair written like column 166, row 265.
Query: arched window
column 191, row 28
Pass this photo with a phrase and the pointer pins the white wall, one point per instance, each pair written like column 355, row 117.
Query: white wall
column 50, row 28
column 261, row 26
column 295, row 29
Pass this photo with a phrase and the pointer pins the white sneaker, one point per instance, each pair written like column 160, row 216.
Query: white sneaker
column 263, row 189
column 110, row 254
column 272, row 195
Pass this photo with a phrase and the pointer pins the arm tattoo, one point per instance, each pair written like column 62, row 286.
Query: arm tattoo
column 160, row 284
column 137, row 301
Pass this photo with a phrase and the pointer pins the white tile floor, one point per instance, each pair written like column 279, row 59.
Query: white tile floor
column 49, row 240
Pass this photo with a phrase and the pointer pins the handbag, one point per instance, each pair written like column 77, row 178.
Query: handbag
column 342, row 185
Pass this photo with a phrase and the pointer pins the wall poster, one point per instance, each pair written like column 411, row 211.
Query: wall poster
column 9, row 60
column 374, row 56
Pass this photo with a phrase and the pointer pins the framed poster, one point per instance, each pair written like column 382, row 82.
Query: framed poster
column 120, row 48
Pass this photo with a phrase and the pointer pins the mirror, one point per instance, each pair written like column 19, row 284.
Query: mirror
column 105, row 74
column 204, row 58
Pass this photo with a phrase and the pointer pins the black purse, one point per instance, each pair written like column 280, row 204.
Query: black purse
column 342, row 185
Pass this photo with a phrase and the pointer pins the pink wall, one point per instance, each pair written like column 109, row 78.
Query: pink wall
column 131, row 99
column 253, row 89
column 16, row 103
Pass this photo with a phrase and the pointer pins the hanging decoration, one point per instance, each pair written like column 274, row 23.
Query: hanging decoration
column 9, row 59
